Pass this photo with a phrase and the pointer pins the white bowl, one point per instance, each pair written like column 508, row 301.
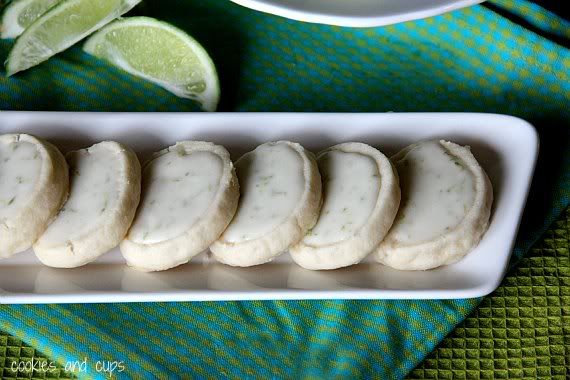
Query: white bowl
column 356, row 13
column 505, row 146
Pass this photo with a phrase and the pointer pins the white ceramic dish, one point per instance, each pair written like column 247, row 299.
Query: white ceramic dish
column 506, row 147
column 356, row 13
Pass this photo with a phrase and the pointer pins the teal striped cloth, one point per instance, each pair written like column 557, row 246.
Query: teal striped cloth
column 475, row 59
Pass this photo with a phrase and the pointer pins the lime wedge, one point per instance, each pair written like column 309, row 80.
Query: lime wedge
column 20, row 14
column 160, row 53
column 60, row 27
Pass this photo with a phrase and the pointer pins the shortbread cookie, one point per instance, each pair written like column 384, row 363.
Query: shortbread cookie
column 103, row 198
column 190, row 195
column 361, row 195
column 446, row 204
column 33, row 185
column 280, row 201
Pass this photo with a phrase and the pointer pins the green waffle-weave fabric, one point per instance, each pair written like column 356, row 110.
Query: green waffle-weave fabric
column 475, row 59
column 522, row 330
column 14, row 352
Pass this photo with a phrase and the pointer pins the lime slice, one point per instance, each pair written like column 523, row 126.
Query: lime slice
column 60, row 27
column 160, row 53
column 20, row 14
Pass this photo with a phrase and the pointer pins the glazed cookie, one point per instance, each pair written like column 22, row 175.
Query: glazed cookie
column 103, row 197
column 33, row 185
column 280, row 201
column 190, row 195
column 361, row 195
column 446, row 204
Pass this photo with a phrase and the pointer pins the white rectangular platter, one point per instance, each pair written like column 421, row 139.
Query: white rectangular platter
column 506, row 147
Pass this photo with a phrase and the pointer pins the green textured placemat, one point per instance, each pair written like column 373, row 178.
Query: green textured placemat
column 14, row 352
column 521, row 331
